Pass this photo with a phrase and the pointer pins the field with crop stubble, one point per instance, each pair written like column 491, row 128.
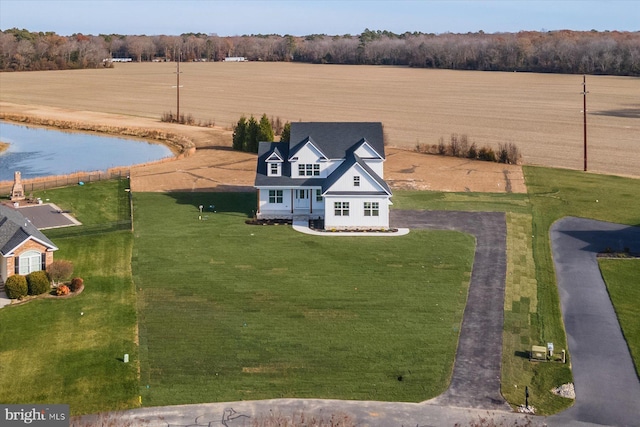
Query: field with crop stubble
column 541, row 113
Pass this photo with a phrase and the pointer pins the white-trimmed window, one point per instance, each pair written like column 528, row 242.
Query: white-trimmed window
column 318, row 195
column 371, row 209
column 29, row 262
column 308, row 169
column 274, row 169
column 341, row 208
column 275, row 196
column 356, row 181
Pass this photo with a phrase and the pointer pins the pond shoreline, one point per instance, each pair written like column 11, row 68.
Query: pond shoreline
column 178, row 144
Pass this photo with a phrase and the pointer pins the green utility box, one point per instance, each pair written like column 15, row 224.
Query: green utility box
column 538, row 352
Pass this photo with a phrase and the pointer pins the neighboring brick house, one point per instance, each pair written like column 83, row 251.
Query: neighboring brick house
column 23, row 248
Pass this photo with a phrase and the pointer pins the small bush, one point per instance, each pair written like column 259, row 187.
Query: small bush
column 77, row 283
column 473, row 151
column 60, row 270
column 454, row 145
column 38, row 282
column 503, row 153
column 487, row 154
column 513, row 153
column 442, row 149
column 16, row 286
column 62, row 290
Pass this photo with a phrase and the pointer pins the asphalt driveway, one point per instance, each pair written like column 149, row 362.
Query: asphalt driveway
column 606, row 383
column 476, row 372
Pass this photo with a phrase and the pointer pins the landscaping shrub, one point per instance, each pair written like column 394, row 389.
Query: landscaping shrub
column 62, row 290
column 60, row 270
column 77, row 283
column 16, row 286
column 38, row 282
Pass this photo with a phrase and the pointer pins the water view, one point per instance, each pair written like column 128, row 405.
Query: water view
column 37, row 152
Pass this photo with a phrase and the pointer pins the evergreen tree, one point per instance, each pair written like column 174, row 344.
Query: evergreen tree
column 251, row 138
column 265, row 132
column 286, row 133
column 240, row 134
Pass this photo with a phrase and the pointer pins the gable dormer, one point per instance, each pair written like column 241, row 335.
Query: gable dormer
column 365, row 151
column 274, row 163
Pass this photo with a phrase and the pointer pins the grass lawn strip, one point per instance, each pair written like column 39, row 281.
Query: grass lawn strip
column 621, row 277
column 254, row 312
column 52, row 353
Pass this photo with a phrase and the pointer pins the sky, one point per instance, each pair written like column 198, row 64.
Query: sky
column 299, row 17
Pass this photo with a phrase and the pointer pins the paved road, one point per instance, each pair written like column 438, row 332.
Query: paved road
column 607, row 387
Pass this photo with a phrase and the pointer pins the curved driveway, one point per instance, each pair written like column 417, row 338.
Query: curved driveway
column 606, row 383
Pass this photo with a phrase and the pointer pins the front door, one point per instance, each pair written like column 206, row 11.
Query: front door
column 302, row 199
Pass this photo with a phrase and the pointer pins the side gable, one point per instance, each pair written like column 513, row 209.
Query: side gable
column 16, row 230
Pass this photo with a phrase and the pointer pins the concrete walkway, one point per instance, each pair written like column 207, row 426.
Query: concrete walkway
column 606, row 383
column 302, row 226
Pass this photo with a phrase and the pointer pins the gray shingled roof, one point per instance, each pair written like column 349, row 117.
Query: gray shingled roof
column 334, row 139
column 15, row 229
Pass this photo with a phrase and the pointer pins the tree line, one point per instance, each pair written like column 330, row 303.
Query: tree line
column 588, row 52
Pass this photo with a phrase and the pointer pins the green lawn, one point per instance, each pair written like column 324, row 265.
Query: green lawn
column 230, row 311
column 49, row 352
column 622, row 277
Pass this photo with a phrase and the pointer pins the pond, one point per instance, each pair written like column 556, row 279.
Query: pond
column 37, row 152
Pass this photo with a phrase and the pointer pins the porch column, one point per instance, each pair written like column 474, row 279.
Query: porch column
column 291, row 191
column 258, row 197
column 311, row 201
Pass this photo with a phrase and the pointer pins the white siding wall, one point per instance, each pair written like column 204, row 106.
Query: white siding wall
column 356, row 218
column 346, row 182
column 267, row 209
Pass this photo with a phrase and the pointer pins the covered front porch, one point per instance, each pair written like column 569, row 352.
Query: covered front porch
column 290, row 203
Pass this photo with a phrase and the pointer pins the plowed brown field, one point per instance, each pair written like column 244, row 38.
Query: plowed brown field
column 541, row 113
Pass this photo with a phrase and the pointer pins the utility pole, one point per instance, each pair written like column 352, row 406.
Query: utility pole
column 584, row 111
column 178, row 89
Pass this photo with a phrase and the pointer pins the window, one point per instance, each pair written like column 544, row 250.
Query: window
column 308, row 170
column 371, row 209
column 341, row 208
column 274, row 169
column 356, row 181
column 28, row 262
column 318, row 195
column 275, row 196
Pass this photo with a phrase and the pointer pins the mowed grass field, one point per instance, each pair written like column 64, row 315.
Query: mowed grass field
column 541, row 113
column 229, row 311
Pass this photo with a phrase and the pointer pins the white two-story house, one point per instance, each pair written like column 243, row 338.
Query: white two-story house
column 329, row 171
